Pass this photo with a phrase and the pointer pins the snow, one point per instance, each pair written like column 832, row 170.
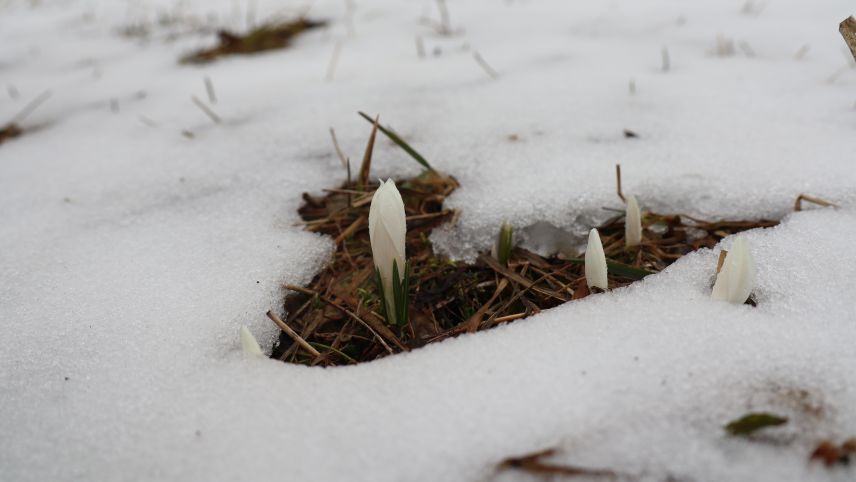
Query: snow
column 130, row 254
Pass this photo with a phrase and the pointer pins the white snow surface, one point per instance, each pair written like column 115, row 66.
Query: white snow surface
column 130, row 254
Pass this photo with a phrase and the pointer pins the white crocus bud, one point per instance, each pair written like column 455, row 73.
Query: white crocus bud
column 736, row 279
column 249, row 343
column 595, row 262
column 632, row 223
column 387, row 230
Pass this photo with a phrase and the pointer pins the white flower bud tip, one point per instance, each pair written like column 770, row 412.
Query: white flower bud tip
column 632, row 223
column 387, row 232
column 736, row 279
column 249, row 343
column 595, row 266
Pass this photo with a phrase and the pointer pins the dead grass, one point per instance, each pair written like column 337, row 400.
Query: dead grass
column 269, row 36
column 338, row 313
column 10, row 131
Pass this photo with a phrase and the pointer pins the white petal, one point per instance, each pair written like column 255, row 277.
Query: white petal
column 595, row 267
column 249, row 343
column 388, row 232
column 632, row 223
column 736, row 279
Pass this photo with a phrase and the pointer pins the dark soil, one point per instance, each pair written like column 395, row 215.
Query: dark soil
column 338, row 313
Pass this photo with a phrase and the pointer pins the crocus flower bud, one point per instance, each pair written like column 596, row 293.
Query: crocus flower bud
column 595, row 262
column 249, row 343
column 632, row 223
column 387, row 230
column 502, row 248
column 736, row 279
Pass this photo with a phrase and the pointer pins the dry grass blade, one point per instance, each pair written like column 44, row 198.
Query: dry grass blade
column 287, row 330
column 534, row 464
column 13, row 128
column 268, row 36
column 209, row 89
column 366, row 166
column 388, row 132
column 485, row 66
column 814, row 200
column 30, row 107
column 339, row 152
column 206, row 110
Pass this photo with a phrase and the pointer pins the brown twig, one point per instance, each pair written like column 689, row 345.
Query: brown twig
column 533, row 464
column 357, row 224
column 375, row 330
column 293, row 334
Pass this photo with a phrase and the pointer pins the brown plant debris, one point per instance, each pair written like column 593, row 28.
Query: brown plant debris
column 10, row 131
column 848, row 31
column 267, row 36
column 752, row 422
column 338, row 313
column 831, row 454
column 13, row 129
column 534, row 464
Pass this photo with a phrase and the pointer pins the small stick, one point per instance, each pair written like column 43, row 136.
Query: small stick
column 631, row 87
column 334, row 59
column 721, row 260
column 30, row 107
column 813, row 200
column 207, row 110
column 472, row 324
column 667, row 63
column 353, row 315
column 338, row 149
column 802, row 51
column 419, row 217
column 209, row 88
column 484, row 65
column 357, row 224
column 13, row 92
column 515, row 316
column 293, row 334
column 618, row 182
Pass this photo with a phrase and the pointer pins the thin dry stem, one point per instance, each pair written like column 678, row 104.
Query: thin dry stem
column 814, row 200
column 293, row 334
column 207, row 110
